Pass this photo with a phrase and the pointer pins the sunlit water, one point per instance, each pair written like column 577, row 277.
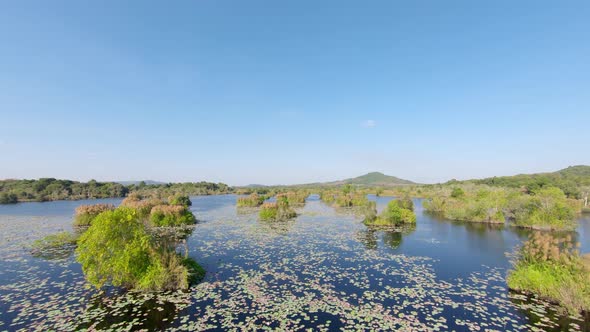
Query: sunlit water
column 323, row 270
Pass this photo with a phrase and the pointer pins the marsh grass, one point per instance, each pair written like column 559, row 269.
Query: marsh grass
column 252, row 200
column 84, row 214
column 296, row 197
column 143, row 205
column 277, row 211
column 552, row 268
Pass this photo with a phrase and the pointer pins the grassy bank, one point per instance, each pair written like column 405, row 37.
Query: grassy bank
column 551, row 268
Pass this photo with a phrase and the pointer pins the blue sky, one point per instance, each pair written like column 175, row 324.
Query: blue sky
column 290, row 92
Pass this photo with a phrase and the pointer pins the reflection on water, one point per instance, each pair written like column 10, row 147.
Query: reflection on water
column 323, row 270
column 390, row 237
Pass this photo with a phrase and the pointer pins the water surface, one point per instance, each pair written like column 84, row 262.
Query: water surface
column 323, row 270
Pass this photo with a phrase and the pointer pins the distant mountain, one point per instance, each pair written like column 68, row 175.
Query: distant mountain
column 254, row 185
column 373, row 179
column 148, row 182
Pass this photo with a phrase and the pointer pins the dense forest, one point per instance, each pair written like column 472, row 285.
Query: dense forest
column 50, row 189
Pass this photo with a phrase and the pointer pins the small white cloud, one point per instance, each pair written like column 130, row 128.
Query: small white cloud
column 368, row 124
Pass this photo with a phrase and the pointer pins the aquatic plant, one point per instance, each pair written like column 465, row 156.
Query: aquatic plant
column 171, row 215
column 118, row 250
column 196, row 272
column 296, row 197
column 350, row 200
column 327, row 196
column 54, row 246
column 275, row 211
column 84, row 214
column 253, row 200
column 551, row 267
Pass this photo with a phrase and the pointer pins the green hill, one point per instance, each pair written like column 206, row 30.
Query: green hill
column 570, row 180
column 373, row 179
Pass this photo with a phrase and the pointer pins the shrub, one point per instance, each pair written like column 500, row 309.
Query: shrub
column 181, row 200
column 8, row 198
column 434, row 204
column 548, row 208
column 117, row 249
column 84, row 214
column 394, row 215
column 551, row 268
column 405, row 202
column 327, row 196
column 171, row 215
column 457, row 192
column 473, row 206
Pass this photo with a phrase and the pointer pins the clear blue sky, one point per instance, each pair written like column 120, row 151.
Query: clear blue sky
column 292, row 91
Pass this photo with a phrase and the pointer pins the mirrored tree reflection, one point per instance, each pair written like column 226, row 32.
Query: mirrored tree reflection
column 390, row 237
column 113, row 311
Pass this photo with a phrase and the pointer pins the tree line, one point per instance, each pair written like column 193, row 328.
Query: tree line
column 50, row 189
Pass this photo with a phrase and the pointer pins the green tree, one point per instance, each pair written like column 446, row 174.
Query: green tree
column 117, row 249
column 457, row 192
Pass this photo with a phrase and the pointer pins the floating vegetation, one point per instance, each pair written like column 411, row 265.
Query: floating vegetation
column 55, row 246
column 84, row 214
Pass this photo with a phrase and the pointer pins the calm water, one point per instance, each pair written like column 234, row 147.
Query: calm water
column 323, row 270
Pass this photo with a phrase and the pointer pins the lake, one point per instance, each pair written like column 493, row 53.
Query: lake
column 324, row 270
